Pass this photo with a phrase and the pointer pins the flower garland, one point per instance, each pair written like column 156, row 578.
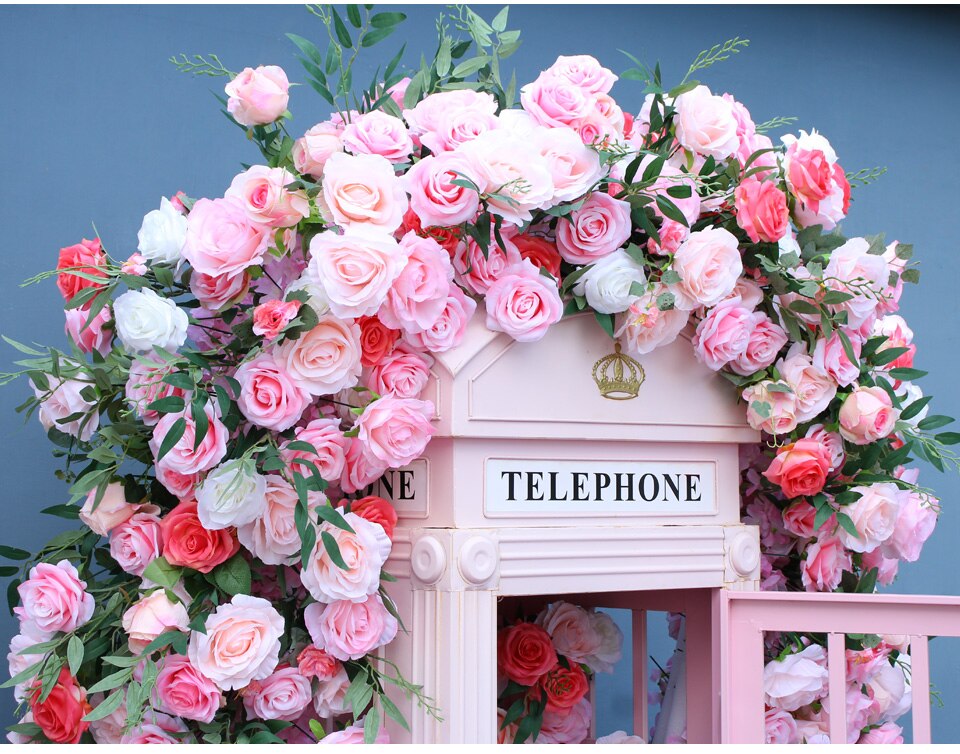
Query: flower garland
column 232, row 388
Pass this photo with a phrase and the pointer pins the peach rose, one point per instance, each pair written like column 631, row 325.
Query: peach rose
column 112, row 510
column 396, row 430
column 69, row 398
column 364, row 550
column 54, row 598
column 867, row 415
column 241, row 643
column 773, row 411
column 313, row 662
column 324, row 360
column 574, row 167
column 258, row 96
column 150, row 616
column 269, row 396
column 363, row 190
column 874, row 514
column 444, row 121
column 709, row 265
column 643, row 327
column 800, row 468
column 89, row 337
column 221, row 239
column 273, row 537
column 329, row 700
column 813, row 388
column 216, row 292
column 271, row 317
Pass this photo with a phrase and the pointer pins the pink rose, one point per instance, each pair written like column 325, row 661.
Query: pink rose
column 672, row 234
column 112, row 510
column 89, row 337
column 311, row 152
column 709, row 265
column 812, row 388
column 832, row 442
column 434, row 198
column 53, row 598
column 764, row 343
column 816, row 179
column 360, row 469
column 762, row 210
column 157, row 728
column 364, row 550
column 330, row 698
column 800, row 468
column 915, row 523
column 136, row 542
column 282, row 695
column 571, row 727
column 723, row 334
column 86, row 257
column 353, row 734
column 705, row 123
column 145, row 385
column 523, row 303
column 796, row 680
column 262, row 193
column 799, row 519
column 258, row 96
column 241, row 643
column 328, row 442
column 643, row 327
column 771, row 411
column 186, row 457
column 445, row 120
column 269, row 396
column 152, row 615
column 184, row 691
column 395, row 430
column 349, row 630
column 887, row 733
column 450, row 327
column 271, row 317
column 216, row 292
column 585, row 72
column 403, row 373
column 571, row 630
column 419, row 293
column 781, row 728
column 867, row 415
column 376, row 132
column 273, row 537
column 324, row 360
column 574, row 167
column 221, row 239
column 874, row 514
column 886, row 567
column 356, row 270
column 363, row 190
column 853, row 264
column 177, row 484
column 476, row 270
column 67, row 399
column 598, row 228
column 830, row 356
column 314, row 662
column 898, row 335
column 553, row 100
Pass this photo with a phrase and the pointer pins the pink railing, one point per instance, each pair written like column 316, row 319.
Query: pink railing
column 745, row 617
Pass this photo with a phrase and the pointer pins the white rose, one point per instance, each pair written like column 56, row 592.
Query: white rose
column 146, row 321
column 620, row 737
column 908, row 392
column 162, row 234
column 706, row 124
column 606, row 284
column 309, row 283
column 796, row 680
column 874, row 514
column 233, row 494
column 610, row 650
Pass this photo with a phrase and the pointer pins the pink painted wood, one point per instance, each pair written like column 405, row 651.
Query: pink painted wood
column 744, row 616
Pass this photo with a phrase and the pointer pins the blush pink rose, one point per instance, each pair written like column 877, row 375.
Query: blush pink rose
column 762, row 210
column 670, row 177
column 569, row 727
column 705, row 124
column 800, row 468
column 476, row 271
column 867, row 415
column 354, row 734
column 799, row 519
column 874, row 514
column 258, row 96
column 311, row 152
column 377, row 132
column 404, row 373
column 282, row 695
column 184, row 691
column 364, row 550
column 853, row 265
column 598, row 228
column 771, row 411
column 523, row 303
column 886, row 567
column 145, row 385
column 349, row 630
column 152, row 615
column 898, row 334
column 764, row 343
column 554, row 101
column 271, row 317
column 434, row 198
column 112, row 510
column 269, row 397
column 796, row 680
column 221, row 239
column 313, row 662
column 54, row 598
column 571, row 631
column 262, row 193
column 887, row 733
column 241, row 643
column 136, row 542
column 273, row 537
column 780, row 727
column 812, row 388
column 328, row 442
column 830, row 356
column 177, row 484
column 723, row 335
column 89, row 337
column 672, row 234
column 585, row 72
column 360, row 468
column 395, row 430
column 363, row 190
column 216, row 292
column 574, row 167
column 69, row 398
column 157, row 729
column 419, row 292
column 915, row 523
column 324, row 360
column 184, row 457
column 643, row 327
column 450, row 327
column 709, row 265
column 443, row 121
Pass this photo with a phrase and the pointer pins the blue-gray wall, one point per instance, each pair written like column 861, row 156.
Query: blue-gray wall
column 97, row 126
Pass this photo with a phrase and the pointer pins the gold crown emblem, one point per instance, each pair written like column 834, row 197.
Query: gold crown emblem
column 618, row 376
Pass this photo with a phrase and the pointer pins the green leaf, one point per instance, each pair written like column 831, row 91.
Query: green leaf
column 200, row 419
column 470, row 66
column 24, row 675
column 74, row 655
column 886, row 355
column 107, row 707
column 173, row 437
column 652, row 171
column 343, row 36
column 868, row 582
column 317, row 729
column 823, row 515
column 948, row 438
column 8, row 571
column 847, row 523
column 333, row 550
column 606, row 322
column 161, row 572
column 333, row 516
column 905, row 373
column 916, row 407
column 111, row 681
column 170, row 404
column 63, row 511
column 13, row 553
column 935, row 421
column 375, row 35
column 307, row 48
column 386, row 20
column 175, row 639
column 181, row 380
column 671, row 210
column 371, row 725
column 353, row 15
column 392, row 712
column 234, row 576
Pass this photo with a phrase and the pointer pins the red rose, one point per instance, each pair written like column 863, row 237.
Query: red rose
column 60, row 714
column 539, row 251
column 524, row 653
column 187, row 543
column 376, row 510
column 86, row 255
column 376, row 340
column 801, row 468
column 564, row 687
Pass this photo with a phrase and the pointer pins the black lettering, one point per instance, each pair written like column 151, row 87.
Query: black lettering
column 624, row 486
column 602, row 482
column 386, row 482
column 693, row 488
column 673, row 485
column 533, row 485
column 553, row 488
column 406, row 485
column 511, row 478
column 642, row 486
column 579, row 483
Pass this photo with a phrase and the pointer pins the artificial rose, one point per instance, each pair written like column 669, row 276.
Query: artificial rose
column 476, row 269
column 186, row 456
column 813, row 388
column 232, row 494
column 574, row 167
column 136, row 542
column 349, row 630
column 241, row 642
column 523, row 303
column 85, row 257
column 570, row 727
column 377, row 132
column 887, row 733
column 184, row 691
column 282, row 695
column 763, row 344
column 271, row 317
column 799, row 519
column 146, row 321
column 262, row 193
column 723, row 335
column 314, row 662
column 705, row 123
column 525, row 653
column 898, row 335
column 611, row 643
column 92, row 336
column 826, row 561
column 60, row 714
column 330, row 698
column 571, row 631
column 772, row 411
column 597, row 228
column 311, row 152
column 112, row 510
column 360, row 469
column 609, row 282
column 216, row 292
column 450, row 327
column 186, row 542
column 376, row 510
column 54, row 598
column 780, row 727
column 816, row 179
column 362, row 190
column 867, row 415
column 258, row 96
column 874, row 514
column 915, row 523
column 162, row 234
column 150, row 616
column 418, row 294
column 273, row 536
column 762, row 210
column 800, row 468
column 830, row 356
column 620, row 737
column 708, row 264
column 269, row 397
column 377, row 341
column 157, row 728
column 324, row 360
column 564, row 687
column 796, row 680
column 434, row 198
column 853, row 269
column 328, row 443
column 221, row 239
column 539, row 251
column 354, row 734
column 403, row 373
column 364, row 550
column 443, row 121
column 644, row 327
column 396, row 430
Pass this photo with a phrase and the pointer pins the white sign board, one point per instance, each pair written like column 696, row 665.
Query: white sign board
column 406, row 488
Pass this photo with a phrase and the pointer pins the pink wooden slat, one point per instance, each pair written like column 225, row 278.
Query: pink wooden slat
column 641, row 722
column 703, row 667
column 920, row 685
column 837, row 667
column 742, row 683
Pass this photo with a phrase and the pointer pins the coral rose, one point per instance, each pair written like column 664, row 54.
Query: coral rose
column 187, row 543
column 60, row 715
column 85, row 257
column 800, row 468
column 564, row 687
column 525, row 653
column 376, row 510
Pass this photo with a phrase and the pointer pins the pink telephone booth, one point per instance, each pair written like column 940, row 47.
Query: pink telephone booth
column 564, row 468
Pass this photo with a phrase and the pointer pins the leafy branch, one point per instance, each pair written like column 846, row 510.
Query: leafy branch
column 779, row 122
column 865, row 176
column 199, row 65
column 715, row 54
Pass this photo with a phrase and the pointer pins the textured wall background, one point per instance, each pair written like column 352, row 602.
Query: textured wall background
column 97, row 126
